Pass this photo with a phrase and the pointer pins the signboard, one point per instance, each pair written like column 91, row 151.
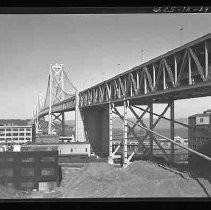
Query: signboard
column 202, row 120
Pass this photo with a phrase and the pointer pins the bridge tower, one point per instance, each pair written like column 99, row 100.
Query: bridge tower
column 56, row 80
column 61, row 97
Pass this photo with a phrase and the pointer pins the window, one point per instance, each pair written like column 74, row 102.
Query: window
column 15, row 134
column 85, row 149
column 2, row 130
column 28, row 129
column 48, row 159
column 28, row 134
column 27, row 185
column 27, row 171
column 15, row 139
column 8, row 129
column 21, row 129
column 27, row 159
column 8, row 172
column 47, row 171
column 28, row 138
column 8, row 134
column 71, row 150
column 21, row 138
column 1, row 134
column 21, row 134
column 9, row 159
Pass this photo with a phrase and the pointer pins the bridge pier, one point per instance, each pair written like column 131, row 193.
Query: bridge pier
column 172, row 129
column 79, row 122
column 96, row 126
column 151, row 128
column 63, row 124
column 110, row 160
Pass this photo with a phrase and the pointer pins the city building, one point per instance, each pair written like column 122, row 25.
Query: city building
column 17, row 134
column 199, row 132
column 30, row 170
column 67, row 138
column 64, row 148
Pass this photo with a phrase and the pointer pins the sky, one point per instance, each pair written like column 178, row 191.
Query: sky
column 90, row 47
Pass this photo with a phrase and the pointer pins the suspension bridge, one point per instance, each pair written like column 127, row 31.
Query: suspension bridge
column 182, row 73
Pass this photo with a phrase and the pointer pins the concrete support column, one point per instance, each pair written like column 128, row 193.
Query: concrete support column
column 79, row 123
column 125, row 133
column 206, row 60
column 189, row 70
column 172, row 129
column 63, row 123
column 151, row 128
column 96, row 124
column 110, row 161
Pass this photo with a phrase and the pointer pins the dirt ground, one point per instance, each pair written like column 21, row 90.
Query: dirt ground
column 140, row 179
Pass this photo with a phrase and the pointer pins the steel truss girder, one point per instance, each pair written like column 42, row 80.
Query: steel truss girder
column 112, row 109
column 115, row 111
column 178, row 68
column 139, row 119
column 152, row 126
column 177, row 122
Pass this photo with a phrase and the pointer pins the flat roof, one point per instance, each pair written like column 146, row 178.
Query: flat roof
column 201, row 115
column 56, row 143
column 15, row 126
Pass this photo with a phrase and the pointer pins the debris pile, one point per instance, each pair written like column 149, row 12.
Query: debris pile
column 10, row 193
column 139, row 179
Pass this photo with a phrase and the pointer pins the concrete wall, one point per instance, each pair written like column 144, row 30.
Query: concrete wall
column 96, row 125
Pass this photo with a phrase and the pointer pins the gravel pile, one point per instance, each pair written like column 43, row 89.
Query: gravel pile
column 9, row 193
column 139, row 179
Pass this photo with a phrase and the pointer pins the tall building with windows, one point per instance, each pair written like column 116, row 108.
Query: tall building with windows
column 199, row 132
column 17, row 134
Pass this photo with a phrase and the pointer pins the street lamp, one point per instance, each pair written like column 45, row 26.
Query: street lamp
column 142, row 56
column 181, row 34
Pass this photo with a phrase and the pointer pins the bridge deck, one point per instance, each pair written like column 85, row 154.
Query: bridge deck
column 182, row 73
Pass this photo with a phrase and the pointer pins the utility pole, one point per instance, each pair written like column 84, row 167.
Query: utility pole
column 142, row 56
column 181, row 34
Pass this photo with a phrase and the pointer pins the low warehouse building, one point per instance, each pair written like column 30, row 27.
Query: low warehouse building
column 30, row 170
